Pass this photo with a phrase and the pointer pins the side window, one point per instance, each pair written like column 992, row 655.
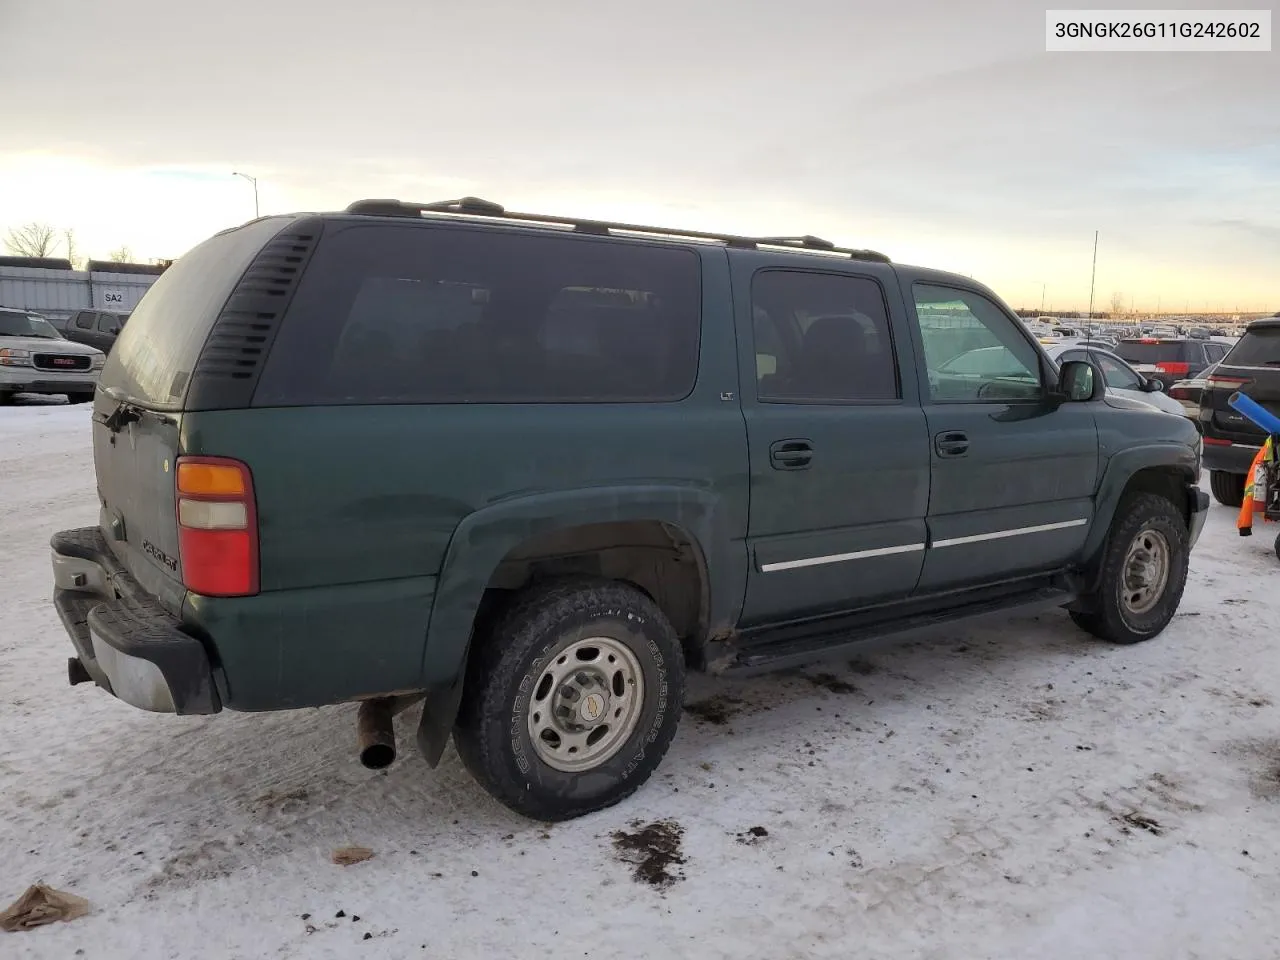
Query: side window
column 1214, row 352
column 821, row 337
column 973, row 350
column 84, row 319
column 1117, row 374
column 107, row 323
column 415, row 314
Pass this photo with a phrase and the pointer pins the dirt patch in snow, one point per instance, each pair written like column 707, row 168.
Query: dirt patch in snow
column 1140, row 821
column 653, row 849
column 1262, row 759
column 752, row 835
column 830, row 682
column 719, row 709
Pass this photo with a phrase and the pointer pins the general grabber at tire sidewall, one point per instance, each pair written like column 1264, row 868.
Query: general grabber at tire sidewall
column 534, row 655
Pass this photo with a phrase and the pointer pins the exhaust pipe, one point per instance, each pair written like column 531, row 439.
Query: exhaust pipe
column 375, row 734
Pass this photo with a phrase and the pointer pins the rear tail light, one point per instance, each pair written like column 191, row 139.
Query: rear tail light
column 1228, row 383
column 217, row 527
column 1215, row 442
column 1174, row 369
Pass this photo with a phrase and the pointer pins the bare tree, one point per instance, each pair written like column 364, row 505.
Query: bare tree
column 32, row 240
column 121, row 255
column 1117, row 304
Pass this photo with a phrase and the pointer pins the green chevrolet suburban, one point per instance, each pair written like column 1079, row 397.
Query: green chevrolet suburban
column 528, row 471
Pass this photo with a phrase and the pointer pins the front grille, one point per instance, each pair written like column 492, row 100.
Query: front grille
column 59, row 361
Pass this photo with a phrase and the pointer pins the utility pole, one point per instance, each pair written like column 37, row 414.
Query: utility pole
column 1043, row 288
column 254, row 181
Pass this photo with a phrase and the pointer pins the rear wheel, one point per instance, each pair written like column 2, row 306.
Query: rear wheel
column 1228, row 488
column 572, row 699
column 1144, row 570
column 82, row 397
column 5, row 397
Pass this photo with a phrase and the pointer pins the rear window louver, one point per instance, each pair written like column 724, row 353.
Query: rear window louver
column 227, row 371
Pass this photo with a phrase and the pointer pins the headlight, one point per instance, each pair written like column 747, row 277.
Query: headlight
column 97, row 362
column 12, row 357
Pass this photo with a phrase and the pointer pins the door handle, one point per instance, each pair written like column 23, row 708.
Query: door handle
column 951, row 443
column 791, row 454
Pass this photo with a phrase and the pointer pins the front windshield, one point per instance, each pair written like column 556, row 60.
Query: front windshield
column 26, row 325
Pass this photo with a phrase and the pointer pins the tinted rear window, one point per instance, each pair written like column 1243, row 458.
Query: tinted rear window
column 152, row 359
column 1257, row 348
column 414, row 314
column 1136, row 351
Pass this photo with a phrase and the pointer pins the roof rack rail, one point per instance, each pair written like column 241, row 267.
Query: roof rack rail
column 476, row 207
column 808, row 242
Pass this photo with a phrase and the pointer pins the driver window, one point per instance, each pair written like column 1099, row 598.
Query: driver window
column 973, row 351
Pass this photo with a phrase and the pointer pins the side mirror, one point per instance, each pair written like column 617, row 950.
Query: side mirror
column 1152, row 386
column 1078, row 382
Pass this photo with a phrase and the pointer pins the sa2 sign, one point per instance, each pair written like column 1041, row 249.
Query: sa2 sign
column 113, row 298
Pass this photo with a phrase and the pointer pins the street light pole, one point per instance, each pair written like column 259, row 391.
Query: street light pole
column 254, row 181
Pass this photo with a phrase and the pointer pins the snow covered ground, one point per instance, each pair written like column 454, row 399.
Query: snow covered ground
column 1013, row 791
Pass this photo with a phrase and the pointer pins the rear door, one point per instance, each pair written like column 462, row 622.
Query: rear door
column 839, row 457
column 1012, row 475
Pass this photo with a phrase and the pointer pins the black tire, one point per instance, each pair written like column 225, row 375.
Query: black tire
column 1228, row 488
column 1109, row 616
column 5, row 398
column 85, row 397
column 1277, row 546
column 510, row 665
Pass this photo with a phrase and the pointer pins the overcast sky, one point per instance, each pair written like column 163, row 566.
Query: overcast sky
column 941, row 133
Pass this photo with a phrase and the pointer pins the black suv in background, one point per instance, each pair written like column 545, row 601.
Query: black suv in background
column 1231, row 440
column 97, row 328
column 1170, row 359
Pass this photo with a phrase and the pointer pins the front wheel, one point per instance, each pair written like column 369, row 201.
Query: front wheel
column 571, row 701
column 1144, row 570
column 82, row 397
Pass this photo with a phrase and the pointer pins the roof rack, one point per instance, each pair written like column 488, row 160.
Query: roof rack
column 475, row 207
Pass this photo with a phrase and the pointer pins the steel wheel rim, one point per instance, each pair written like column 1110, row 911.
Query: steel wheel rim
column 585, row 704
column 1146, row 572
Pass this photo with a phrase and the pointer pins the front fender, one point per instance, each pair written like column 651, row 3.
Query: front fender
column 485, row 537
column 1120, row 469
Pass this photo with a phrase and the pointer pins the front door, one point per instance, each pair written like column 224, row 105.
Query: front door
column 838, row 446
column 1013, row 474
